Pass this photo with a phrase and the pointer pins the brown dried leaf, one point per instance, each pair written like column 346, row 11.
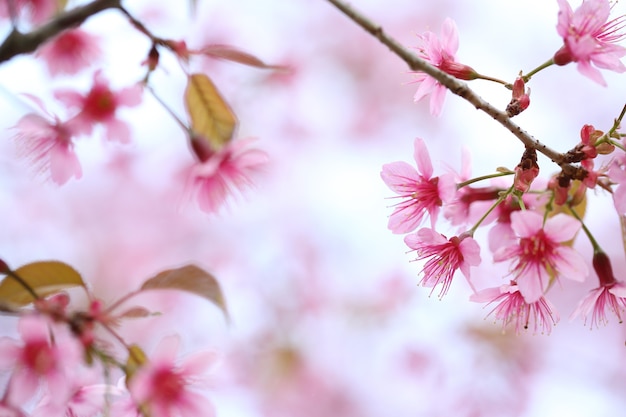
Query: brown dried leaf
column 230, row 53
column 44, row 277
column 211, row 117
column 192, row 279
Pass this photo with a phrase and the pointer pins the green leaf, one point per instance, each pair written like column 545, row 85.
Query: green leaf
column 211, row 117
column 44, row 278
column 192, row 279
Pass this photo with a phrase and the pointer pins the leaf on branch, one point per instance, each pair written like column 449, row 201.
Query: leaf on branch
column 230, row 53
column 211, row 117
column 192, row 279
column 136, row 359
column 61, row 5
column 44, row 278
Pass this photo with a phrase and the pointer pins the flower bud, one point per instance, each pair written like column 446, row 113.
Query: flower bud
column 520, row 100
column 602, row 266
column 458, row 70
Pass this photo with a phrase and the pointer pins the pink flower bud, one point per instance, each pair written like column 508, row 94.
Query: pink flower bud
column 520, row 100
column 602, row 266
column 458, row 70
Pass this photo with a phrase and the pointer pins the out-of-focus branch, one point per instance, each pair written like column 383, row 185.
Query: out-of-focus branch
column 456, row 86
column 18, row 43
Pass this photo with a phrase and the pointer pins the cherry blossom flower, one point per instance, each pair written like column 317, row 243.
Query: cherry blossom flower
column 421, row 192
column 540, row 252
column 38, row 360
column 164, row 388
column 610, row 295
column 218, row 174
column 513, row 308
column 590, row 38
column 70, row 52
column 441, row 54
column 47, row 143
column 444, row 256
column 99, row 106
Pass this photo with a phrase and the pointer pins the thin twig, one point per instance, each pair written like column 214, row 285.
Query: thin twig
column 456, row 86
column 18, row 43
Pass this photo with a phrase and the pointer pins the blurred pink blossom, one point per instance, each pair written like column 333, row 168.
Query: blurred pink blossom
column 70, row 52
column 39, row 360
column 99, row 106
column 36, row 11
column 164, row 388
column 512, row 307
column 421, row 192
column 441, row 54
column 444, row 256
column 540, row 250
column 211, row 181
column 47, row 143
column 590, row 38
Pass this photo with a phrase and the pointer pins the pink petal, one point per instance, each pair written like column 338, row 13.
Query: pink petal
column 437, row 99
column 399, row 176
column 422, row 158
column 450, row 37
column 561, row 227
column 570, row 264
column 585, row 68
column 64, row 164
column 118, row 131
column 129, row 96
column 526, row 223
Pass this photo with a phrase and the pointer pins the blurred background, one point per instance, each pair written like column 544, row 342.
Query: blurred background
column 327, row 316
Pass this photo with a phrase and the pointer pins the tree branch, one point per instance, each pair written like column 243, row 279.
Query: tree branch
column 18, row 43
column 454, row 85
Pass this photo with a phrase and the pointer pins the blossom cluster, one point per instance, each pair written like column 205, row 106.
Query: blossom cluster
column 533, row 223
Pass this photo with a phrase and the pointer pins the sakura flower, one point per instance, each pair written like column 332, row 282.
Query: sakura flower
column 421, row 192
column 590, row 38
column 513, row 308
column 38, row 360
column 541, row 252
column 47, row 143
column 99, row 106
column 165, row 389
column 219, row 174
column 441, row 54
column 610, row 295
column 70, row 52
column 444, row 256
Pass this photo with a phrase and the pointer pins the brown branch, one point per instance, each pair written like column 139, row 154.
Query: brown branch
column 18, row 43
column 457, row 87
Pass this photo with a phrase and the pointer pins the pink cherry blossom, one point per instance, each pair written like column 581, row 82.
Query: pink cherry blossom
column 443, row 256
column 421, row 192
column 47, row 143
column 540, row 252
column 70, row 52
column 165, row 388
column 441, row 54
column 513, row 308
column 610, row 295
column 590, row 38
column 99, row 106
column 38, row 360
column 216, row 177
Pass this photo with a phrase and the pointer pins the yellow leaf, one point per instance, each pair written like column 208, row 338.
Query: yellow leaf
column 44, row 277
column 211, row 117
column 192, row 279
column 61, row 4
column 136, row 359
